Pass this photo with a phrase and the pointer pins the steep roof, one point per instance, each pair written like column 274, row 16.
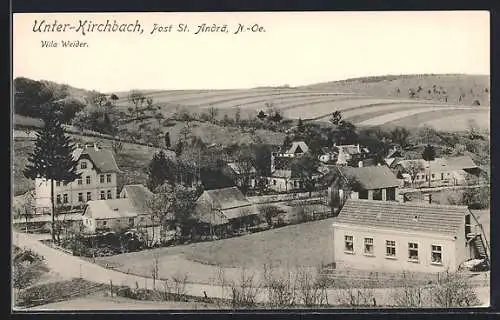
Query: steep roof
column 446, row 220
column 103, row 159
column 298, row 147
column 227, row 198
column 444, row 164
column 237, row 168
column 138, row 195
column 374, row 177
column 110, row 209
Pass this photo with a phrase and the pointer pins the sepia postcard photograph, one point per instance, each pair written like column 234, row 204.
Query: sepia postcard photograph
column 250, row 160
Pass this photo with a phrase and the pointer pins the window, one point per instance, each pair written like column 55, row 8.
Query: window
column 274, row 182
column 390, row 248
column 369, row 246
column 101, row 178
column 377, row 194
column 436, row 255
column 131, row 222
column 363, row 194
column 104, row 222
column 349, row 244
column 65, row 183
column 108, row 178
column 83, row 165
column 58, row 199
column 58, row 183
column 89, row 196
column 80, row 181
column 103, row 195
column 80, row 197
column 433, row 176
column 65, row 198
column 413, row 251
column 87, row 179
column 109, row 194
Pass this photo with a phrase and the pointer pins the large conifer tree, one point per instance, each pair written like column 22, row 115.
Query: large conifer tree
column 52, row 157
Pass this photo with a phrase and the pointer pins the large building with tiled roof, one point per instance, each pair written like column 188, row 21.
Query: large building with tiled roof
column 98, row 180
column 401, row 236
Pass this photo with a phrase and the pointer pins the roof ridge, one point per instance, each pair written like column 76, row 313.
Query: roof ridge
column 410, row 204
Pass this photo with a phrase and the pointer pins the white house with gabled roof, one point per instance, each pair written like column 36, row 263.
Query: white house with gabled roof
column 98, row 181
column 395, row 236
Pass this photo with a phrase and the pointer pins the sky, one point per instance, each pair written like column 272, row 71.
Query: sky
column 297, row 48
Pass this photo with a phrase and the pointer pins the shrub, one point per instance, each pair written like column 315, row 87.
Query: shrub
column 454, row 291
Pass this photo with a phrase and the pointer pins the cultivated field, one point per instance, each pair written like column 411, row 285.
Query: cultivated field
column 305, row 103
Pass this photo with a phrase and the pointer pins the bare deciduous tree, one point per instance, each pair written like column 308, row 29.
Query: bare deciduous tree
column 454, row 291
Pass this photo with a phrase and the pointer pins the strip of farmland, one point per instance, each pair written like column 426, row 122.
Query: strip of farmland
column 390, row 117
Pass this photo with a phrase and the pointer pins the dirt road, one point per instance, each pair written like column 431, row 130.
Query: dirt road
column 73, row 267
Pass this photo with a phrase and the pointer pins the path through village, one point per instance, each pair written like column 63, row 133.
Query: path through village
column 69, row 267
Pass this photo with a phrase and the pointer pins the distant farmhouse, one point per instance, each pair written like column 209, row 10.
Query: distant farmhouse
column 452, row 171
column 243, row 175
column 129, row 211
column 371, row 183
column 345, row 155
column 98, row 170
column 223, row 210
column 284, row 177
column 384, row 235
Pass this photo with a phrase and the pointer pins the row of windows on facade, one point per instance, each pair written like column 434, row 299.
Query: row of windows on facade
column 103, row 196
column 436, row 251
column 433, row 176
column 88, row 180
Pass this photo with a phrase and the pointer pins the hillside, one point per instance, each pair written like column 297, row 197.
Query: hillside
column 435, row 87
column 436, row 100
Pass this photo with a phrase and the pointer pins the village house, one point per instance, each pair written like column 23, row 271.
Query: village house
column 130, row 211
column 283, row 177
column 393, row 156
column 282, row 160
column 453, row 171
column 243, row 175
column 98, row 180
column 350, row 155
column 288, row 180
column 224, row 210
column 371, row 183
column 383, row 235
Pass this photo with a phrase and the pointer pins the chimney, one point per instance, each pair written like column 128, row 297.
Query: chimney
column 360, row 164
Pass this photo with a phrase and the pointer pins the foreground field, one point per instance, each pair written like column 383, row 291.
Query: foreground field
column 305, row 244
